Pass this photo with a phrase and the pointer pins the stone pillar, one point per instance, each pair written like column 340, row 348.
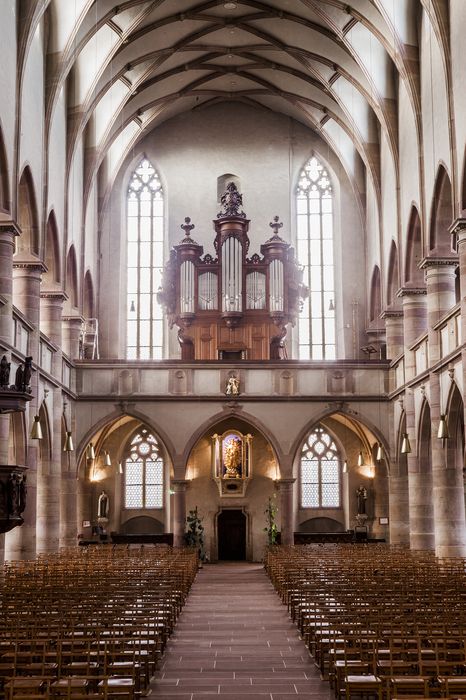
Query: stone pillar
column 393, row 332
column 285, row 487
column 421, row 514
column 49, row 482
column 179, row 511
column 72, row 334
column 8, row 233
column 448, row 488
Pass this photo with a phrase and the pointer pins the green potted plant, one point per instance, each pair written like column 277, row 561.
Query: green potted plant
column 271, row 529
column 194, row 536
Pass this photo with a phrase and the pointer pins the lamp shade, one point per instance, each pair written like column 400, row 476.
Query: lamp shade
column 379, row 454
column 345, row 466
column 360, row 459
column 443, row 433
column 405, row 445
column 68, row 446
column 36, row 430
column 107, row 460
column 90, row 452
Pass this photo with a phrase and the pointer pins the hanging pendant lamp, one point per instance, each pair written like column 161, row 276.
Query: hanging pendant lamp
column 379, row 454
column 68, row 446
column 36, row 430
column 443, row 433
column 107, row 460
column 360, row 459
column 405, row 445
column 90, row 452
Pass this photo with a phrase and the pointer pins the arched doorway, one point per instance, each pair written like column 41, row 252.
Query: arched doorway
column 231, row 534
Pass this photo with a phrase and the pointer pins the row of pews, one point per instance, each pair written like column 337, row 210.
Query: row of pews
column 91, row 622
column 381, row 622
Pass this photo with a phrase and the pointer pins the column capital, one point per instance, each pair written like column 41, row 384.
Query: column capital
column 180, row 484
column 285, row 482
column 438, row 261
column 56, row 294
column 458, row 226
column 10, row 227
column 30, row 263
column 411, row 292
column 392, row 313
column 74, row 319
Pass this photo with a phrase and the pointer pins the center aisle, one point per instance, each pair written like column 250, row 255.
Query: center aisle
column 234, row 639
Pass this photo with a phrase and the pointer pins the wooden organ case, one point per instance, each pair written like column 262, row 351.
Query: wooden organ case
column 232, row 307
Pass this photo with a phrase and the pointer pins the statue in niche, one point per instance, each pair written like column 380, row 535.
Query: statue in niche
column 232, row 388
column 232, row 458
column 4, row 373
column 361, row 493
column 103, row 506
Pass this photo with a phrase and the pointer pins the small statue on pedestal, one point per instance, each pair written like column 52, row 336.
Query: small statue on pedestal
column 361, row 493
column 103, row 506
column 232, row 388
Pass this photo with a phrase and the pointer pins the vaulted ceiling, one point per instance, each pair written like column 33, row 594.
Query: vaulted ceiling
column 333, row 65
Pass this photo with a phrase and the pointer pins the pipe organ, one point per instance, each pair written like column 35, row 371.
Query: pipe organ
column 232, row 306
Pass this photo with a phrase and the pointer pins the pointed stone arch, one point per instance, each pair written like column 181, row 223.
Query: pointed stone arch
column 52, row 277
column 5, row 201
column 413, row 276
column 28, row 220
column 393, row 280
column 71, row 280
column 440, row 240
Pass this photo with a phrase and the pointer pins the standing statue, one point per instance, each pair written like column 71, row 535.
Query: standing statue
column 4, row 373
column 27, row 374
column 232, row 458
column 103, row 505
column 232, row 388
column 361, row 493
column 19, row 377
column 231, row 202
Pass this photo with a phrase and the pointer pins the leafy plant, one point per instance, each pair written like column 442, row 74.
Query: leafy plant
column 271, row 529
column 194, row 536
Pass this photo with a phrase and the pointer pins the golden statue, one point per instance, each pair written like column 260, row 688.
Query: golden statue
column 232, row 458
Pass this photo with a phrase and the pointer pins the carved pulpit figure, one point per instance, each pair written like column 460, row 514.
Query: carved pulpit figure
column 103, row 506
column 361, row 493
column 4, row 373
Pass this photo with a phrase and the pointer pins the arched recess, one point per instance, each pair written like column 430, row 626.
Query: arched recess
column 71, row 280
column 413, row 276
column 393, row 281
column 5, row 202
column 456, row 442
column 88, row 296
column 17, row 443
column 52, row 277
column 440, row 240
column 28, row 220
column 425, row 441
column 375, row 306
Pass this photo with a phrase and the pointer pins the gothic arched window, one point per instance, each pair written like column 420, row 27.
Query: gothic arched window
column 320, row 471
column 143, row 472
column 315, row 253
column 144, row 330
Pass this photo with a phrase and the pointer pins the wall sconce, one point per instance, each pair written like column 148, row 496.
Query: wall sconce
column 107, row 460
column 90, row 452
column 345, row 466
column 360, row 459
column 120, row 468
column 36, row 430
column 405, row 445
column 379, row 454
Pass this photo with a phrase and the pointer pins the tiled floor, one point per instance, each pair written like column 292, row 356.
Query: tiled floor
column 234, row 639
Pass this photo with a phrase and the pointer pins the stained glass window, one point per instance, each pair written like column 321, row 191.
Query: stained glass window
column 314, row 199
column 144, row 329
column 143, row 474
column 320, row 471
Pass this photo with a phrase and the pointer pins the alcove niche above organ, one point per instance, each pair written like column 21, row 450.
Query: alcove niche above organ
column 231, row 306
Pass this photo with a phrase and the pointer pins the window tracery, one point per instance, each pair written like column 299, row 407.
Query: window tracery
column 320, row 471
column 143, row 473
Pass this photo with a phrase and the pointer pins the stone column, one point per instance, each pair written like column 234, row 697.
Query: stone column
column 285, row 487
column 72, row 334
column 448, row 488
column 179, row 511
column 393, row 332
column 27, row 271
column 8, row 233
column 421, row 514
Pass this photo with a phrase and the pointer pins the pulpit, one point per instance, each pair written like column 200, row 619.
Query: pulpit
column 231, row 306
